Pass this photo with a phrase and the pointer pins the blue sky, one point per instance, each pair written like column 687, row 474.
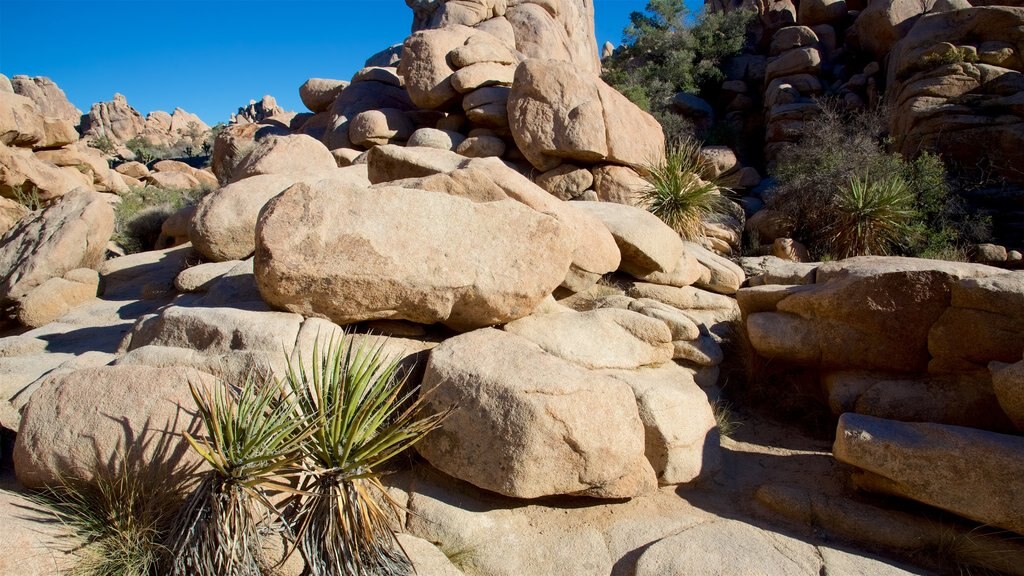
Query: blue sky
column 210, row 56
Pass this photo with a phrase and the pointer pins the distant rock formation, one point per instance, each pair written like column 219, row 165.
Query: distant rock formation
column 119, row 122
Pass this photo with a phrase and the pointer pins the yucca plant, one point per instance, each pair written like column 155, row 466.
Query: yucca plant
column 252, row 446
column 362, row 415
column 678, row 194
column 872, row 217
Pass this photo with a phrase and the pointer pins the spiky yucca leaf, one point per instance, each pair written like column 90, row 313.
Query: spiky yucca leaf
column 678, row 195
column 252, row 444
column 874, row 217
column 362, row 417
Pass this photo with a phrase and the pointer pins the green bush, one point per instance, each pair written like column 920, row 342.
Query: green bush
column 839, row 148
column 678, row 194
column 104, row 144
column 665, row 51
column 140, row 214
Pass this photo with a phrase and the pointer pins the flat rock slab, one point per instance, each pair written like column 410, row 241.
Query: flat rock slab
column 963, row 470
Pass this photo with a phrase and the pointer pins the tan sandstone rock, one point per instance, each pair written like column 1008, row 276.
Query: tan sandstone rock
column 512, row 398
column 89, row 422
column 962, row 470
column 557, row 113
column 415, row 255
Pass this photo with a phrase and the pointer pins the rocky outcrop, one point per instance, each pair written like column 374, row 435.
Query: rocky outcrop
column 954, row 79
column 119, row 122
column 50, row 99
column 257, row 112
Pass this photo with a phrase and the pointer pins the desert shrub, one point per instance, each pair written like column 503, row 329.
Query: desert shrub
column 140, row 214
column 253, row 433
column 27, row 196
column 872, row 217
column 840, row 147
column 666, row 51
column 104, row 144
column 362, row 415
column 677, row 193
column 120, row 518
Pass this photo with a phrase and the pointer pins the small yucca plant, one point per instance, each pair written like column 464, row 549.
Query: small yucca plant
column 362, row 415
column 678, row 195
column 252, row 445
column 873, row 217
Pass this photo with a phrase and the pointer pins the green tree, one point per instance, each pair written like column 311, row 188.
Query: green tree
column 666, row 50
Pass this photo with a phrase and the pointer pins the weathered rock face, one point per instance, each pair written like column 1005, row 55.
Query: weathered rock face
column 50, row 99
column 647, row 244
column 561, row 30
column 234, row 142
column 21, row 170
column 607, row 338
column 257, row 112
column 408, row 254
column 224, row 224
column 958, row 469
column 558, row 113
column 882, row 24
column 867, row 312
column 523, row 425
column 72, row 233
column 284, row 154
column 984, row 323
column 92, row 421
column 955, row 79
column 21, row 123
column 1008, row 385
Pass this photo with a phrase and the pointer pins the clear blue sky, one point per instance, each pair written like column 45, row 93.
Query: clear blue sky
column 211, row 56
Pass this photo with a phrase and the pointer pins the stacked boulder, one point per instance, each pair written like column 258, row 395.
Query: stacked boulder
column 517, row 81
column 921, row 359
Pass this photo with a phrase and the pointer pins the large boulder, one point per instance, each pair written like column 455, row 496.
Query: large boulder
column 868, row 312
column 680, row 433
column 558, row 112
column 73, row 233
column 234, row 142
column 116, row 120
column 604, row 338
column 224, row 224
column 527, row 424
column 1008, row 385
column 284, row 154
column 561, row 30
column 21, row 123
column 319, row 93
column 962, row 470
column 984, row 323
column 408, row 254
column 425, row 66
column 96, row 421
column 883, row 23
column 647, row 244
